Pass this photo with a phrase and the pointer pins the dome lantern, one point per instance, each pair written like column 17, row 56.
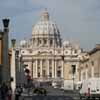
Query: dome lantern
column 45, row 15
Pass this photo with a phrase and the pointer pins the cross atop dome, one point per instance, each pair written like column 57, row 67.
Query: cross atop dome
column 45, row 15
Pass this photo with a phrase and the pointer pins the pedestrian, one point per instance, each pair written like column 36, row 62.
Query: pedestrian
column 4, row 91
column 9, row 93
column 16, row 93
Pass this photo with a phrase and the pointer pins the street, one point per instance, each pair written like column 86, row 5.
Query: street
column 53, row 94
column 47, row 98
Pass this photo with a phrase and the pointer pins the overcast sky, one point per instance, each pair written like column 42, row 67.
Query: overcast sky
column 78, row 20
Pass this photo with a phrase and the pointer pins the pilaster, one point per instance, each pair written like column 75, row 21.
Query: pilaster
column 36, row 69
column 52, row 68
column 48, row 68
column 41, row 68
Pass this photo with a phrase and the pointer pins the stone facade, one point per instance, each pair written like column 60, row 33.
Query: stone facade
column 90, row 66
column 44, row 54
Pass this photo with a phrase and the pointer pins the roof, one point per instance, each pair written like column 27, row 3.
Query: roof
column 97, row 48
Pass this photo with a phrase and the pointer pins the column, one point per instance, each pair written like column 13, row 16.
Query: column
column 36, row 69
column 41, row 68
column 86, row 73
column 48, row 68
column 42, row 41
column 32, row 43
column 55, row 69
column 48, row 42
column 62, row 70
column 33, row 70
column 52, row 68
column 35, row 42
column 13, row 70
column 82, row 75
column 92, row 71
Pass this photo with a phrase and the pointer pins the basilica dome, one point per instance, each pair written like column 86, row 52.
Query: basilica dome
column 45, row 25
column 45, row 33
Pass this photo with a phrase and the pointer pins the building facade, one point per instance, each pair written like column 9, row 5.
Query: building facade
column 90, row 66
column 47, row 57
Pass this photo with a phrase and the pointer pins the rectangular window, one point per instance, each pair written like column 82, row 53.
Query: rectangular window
column 50, row 74
column 59, row 73
column 44, row 73
column 38, row 74
column 73, row 69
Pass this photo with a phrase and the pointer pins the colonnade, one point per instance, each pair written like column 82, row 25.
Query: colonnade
column 49, row 67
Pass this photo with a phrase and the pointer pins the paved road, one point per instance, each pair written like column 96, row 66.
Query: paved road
column 59, row 92
column 54, row 94
column 47, row 98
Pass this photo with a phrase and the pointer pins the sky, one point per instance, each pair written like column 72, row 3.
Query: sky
column 78, row 20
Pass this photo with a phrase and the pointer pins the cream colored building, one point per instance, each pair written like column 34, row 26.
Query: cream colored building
column 47, row 58
column 90, row 66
